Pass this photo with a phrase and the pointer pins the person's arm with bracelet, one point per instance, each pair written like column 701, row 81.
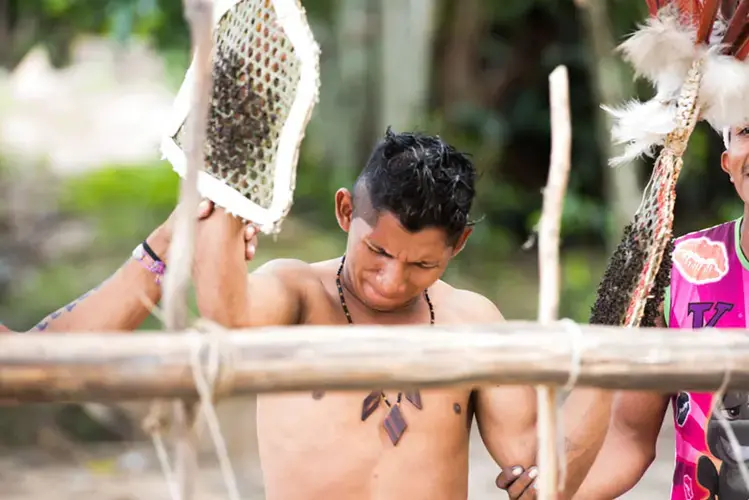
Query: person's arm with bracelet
column 124, row 300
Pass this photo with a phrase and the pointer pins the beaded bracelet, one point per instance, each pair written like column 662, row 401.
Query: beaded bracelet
column 144, row 254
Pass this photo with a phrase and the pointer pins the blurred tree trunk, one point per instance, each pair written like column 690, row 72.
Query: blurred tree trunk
column 351, row 84
column 5, row 40
column 612, row 86
column 407, row 37
column 459, row 79
column 340, row 130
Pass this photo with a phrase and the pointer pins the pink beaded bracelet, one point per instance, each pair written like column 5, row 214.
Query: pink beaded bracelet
column 157, row 267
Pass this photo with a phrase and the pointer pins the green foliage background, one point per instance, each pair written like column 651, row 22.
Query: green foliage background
column 512, row 135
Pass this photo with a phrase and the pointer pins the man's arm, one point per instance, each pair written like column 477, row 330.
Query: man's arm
column 506, row 415
column 629, row 447
column 121, row 303
column 507, row 422
column 271, row 295
column 626, row 450
column 124, row 300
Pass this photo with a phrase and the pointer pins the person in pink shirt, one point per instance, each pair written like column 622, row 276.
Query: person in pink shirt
column 694, row 54
column 709, row 288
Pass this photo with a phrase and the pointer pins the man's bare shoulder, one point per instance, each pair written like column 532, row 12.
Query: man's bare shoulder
column 284, row 267
column 295, row 270
column 469, row 306
column 291, row 277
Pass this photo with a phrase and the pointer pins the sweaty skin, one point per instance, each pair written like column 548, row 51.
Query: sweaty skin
column 332, row 453
column 318, row 448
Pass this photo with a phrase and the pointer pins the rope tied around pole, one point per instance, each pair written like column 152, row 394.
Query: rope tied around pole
column 220, row 358
column 217, row 378
column 213, row 379
column 576, row 353
column 155, row 425
column 576, row 356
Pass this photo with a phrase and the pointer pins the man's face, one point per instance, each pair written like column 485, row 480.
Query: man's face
column 389, row 266
column 735, row 161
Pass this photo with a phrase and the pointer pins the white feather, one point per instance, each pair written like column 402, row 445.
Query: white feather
column 661, row 50
column 724, row 91
column 642, row 126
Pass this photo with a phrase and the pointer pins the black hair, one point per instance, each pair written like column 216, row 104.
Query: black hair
column 420, row 179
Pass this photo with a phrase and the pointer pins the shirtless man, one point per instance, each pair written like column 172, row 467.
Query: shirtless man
column 406, row 219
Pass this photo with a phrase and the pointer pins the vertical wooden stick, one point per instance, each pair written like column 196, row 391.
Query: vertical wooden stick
column 199, row 15
column 549, row 273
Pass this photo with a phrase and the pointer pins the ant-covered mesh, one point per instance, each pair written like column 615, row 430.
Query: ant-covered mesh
column 652, row 229
column 639, row 270
column 265, row 85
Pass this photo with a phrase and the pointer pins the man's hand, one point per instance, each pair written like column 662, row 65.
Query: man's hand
column 224, row 224
column 206, row 208
column 518, row 483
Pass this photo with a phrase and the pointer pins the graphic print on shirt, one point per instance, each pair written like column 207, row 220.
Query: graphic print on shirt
column 709, row 288
column 683, row 405
column 722, row 477
column 707, row 314
column 701, row 260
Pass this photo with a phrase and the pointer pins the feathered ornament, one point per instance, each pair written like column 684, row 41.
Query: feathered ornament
column 694, row 54
column 677, row 34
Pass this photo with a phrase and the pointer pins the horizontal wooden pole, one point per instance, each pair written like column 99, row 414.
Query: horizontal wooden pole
column 37, row 367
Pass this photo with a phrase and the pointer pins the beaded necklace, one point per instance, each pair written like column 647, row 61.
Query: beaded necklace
column 394, row 423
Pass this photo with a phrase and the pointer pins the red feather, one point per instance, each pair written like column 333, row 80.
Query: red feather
column 708, row 12
column 742, row 51
column 691, row 9
column 738, row 20
column 652, row 7
column 699, row 13
column 740, row 40
column 727, row 8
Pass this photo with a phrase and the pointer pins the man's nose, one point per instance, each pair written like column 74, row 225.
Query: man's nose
column 393, row 278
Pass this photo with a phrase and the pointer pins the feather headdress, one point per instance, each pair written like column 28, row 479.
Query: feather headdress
column 694, row 54
column 678, row 34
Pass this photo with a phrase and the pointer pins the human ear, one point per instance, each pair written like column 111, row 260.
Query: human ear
column 462, row 239
column 344, row 209
column 725, row 163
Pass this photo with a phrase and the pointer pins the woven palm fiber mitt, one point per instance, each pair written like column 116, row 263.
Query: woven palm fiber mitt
column 265, row 85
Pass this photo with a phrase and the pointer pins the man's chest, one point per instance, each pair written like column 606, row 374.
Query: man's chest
column 386, row 417
column 325, row 443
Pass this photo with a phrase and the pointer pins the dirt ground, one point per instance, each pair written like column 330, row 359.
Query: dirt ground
column 131, row 472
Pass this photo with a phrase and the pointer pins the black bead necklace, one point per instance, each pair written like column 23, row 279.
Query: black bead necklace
column 394, row 423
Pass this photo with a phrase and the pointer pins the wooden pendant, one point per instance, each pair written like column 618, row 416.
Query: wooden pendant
column 370, row 404
column 415, row 399
column 395, row 425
